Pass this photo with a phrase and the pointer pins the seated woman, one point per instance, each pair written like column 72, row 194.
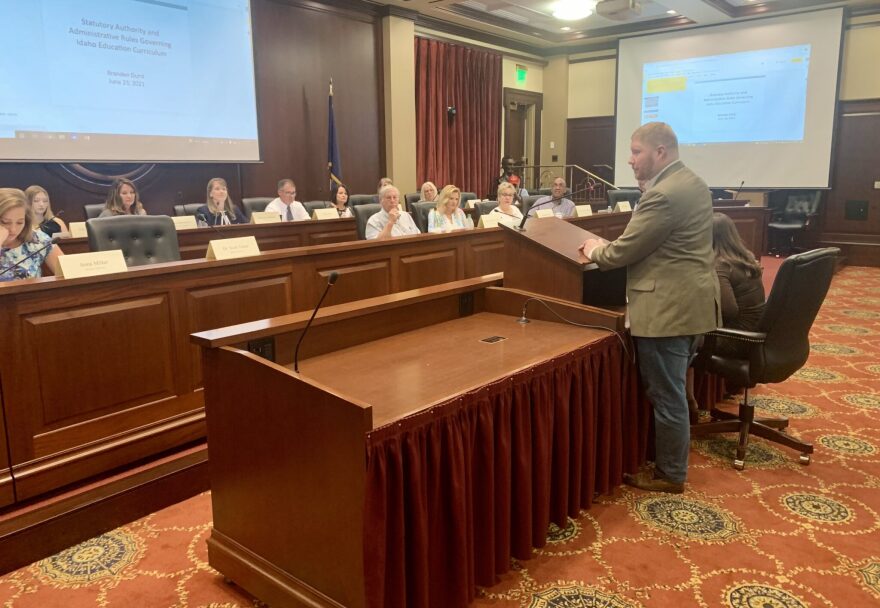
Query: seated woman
column 23, row 250
column 219, row 210
column 447, row 216
column 339, row 198
column 123, row 199
column 428, row 192
column 44, row 218
column 506, row 208
column 742, row 292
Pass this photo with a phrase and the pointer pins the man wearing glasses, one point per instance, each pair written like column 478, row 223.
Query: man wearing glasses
column 290, row 210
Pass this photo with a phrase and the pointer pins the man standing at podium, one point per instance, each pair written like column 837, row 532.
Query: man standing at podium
column 672, row 290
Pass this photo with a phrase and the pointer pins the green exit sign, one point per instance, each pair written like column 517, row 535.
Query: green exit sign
column 521, row 73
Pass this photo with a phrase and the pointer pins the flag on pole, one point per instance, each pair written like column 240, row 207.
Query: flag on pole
column 333, row 164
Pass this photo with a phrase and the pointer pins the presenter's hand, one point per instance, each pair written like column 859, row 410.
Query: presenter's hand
column 589, row 245
column 394, row 215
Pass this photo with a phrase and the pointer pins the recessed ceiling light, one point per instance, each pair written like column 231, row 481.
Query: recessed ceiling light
column 573, row 10
column 565, row 29
column 671, row 12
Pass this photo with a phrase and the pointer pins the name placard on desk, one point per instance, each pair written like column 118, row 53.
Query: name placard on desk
column 622, row 206
column 230, row 249
column 265, row 217
column 489, row 220
column 77, row 230
column 325, row 214
column 184, row 222
column 544, row 213
column 91, row 264
column 583, row 210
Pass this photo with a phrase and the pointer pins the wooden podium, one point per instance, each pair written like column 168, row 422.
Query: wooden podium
column 544, row 258
column 290, row 478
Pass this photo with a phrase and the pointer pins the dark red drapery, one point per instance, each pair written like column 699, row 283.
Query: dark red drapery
column 463, row 150
column 456, row 491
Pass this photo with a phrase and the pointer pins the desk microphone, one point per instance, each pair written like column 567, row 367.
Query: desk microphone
column 548, row 201
column 204, row 218
column 738, row 189
column 28, row 257
column 330, row 280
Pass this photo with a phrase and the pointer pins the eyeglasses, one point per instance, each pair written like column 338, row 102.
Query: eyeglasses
column 289, row 192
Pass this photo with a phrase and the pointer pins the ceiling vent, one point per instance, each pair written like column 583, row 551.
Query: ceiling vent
column 619, row 10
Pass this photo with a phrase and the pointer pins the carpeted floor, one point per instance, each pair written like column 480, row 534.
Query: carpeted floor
column 777, row 534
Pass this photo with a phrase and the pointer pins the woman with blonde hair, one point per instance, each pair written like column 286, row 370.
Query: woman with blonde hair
column 38, row 200
column 123, row 199
column 219, row 210
column 23, row 250
column 506, row 193
column 428, row 192
column 447, row 215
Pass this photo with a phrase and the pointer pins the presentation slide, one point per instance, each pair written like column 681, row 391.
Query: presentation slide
column 760, row 112
column 127, row 81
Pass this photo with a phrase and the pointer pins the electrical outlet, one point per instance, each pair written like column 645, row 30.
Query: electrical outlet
column 264, row 348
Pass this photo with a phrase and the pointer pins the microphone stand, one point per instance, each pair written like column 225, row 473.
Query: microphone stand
column 548, row 201
column 330, row 280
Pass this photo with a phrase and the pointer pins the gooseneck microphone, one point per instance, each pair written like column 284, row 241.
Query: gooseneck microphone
column 204, row 218
column 547, row 202
column 741, row 184
column 330, row 280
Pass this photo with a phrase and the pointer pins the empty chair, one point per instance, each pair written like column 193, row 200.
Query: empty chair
column 632, row 195
column 465, row 197
column 483, row 208
column 312, row 205
column 255, row 203
column 529, row 201
column 420, row 213
column 187, row 209
column 412, row 198
column 361, row 199
column 93, row 210
column 774, row 352
column 796, row 218
column 143, row 239
column 362, row 213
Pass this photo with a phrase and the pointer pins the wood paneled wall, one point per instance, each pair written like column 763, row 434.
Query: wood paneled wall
column 298, row 46
column 590, row 144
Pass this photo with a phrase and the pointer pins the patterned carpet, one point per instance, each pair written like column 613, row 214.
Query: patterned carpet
column 775, row 535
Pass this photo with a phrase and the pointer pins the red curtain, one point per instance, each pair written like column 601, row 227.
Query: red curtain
column 455, row 491
column 465, row 149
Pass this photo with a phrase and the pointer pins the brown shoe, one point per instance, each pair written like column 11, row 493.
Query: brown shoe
column 693, row 411
column 646, row 481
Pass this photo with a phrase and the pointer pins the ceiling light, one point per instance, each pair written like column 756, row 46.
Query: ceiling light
column 671, row 12
column 573, row 10
column 565, row 29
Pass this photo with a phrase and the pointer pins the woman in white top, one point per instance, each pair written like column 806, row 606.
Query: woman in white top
column 447, row 216
column 506, row 208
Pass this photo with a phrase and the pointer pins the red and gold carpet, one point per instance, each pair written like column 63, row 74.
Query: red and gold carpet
column 777, row 534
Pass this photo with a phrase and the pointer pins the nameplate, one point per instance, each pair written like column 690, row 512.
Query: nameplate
column 583, row 211
column 489, row 221
column 265, row 217
column 184, row 222
column 77, row 230
column 622, row 206
column 91, row 264
column 325, row 214
column 472, row 203
column 544, row 213
column 230, row 249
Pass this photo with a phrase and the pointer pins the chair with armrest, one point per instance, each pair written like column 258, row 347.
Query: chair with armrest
column 420, row 213
column 186, row 209
column 483, row 208
column 361, row 199
column 771, row 354
column 623, row 194
column 93, row 210
column 362, row 213
column 143, row 239
column 796, row 218
column 255, row 203
column 312, row 205
column 412, row 198
column 531, row 200
column 465, row 197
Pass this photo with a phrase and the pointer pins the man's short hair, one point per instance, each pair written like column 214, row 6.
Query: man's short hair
column 657, row 134
column 385, row 189
column 284, row 182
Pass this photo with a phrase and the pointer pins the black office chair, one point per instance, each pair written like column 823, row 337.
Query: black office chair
column 312, row 205
column 361, row 199
column 420, row 213
column 143, row 239
column 465, row 197
column 412, row 198
column 252, row 204
column 187, row 209
column 531, row 200
column 362, row 213
column 93, row 210
column 483, row 208
column 632, row 195
column 796, row 218
column 771, row 354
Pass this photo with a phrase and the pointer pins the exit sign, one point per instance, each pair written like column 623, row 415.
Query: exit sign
column 521, row 73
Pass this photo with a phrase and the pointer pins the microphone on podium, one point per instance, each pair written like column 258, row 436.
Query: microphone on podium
column 330, row 280
column 741, row 184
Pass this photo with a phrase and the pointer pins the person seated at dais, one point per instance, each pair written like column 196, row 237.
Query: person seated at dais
column 428, row 192
column 219, row 210
column 506, row 208
column 44, row 218
column 339, row 198
column 19, row 240
column 390, row 220
column 447, row 216
column 123, row 199
column 556, row 202
column 285, row 205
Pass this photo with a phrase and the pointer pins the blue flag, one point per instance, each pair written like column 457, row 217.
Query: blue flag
column 333, row 164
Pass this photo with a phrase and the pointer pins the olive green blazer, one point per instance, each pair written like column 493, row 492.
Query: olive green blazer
column 671, row 286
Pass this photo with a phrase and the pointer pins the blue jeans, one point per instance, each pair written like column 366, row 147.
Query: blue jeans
column 663, row 364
